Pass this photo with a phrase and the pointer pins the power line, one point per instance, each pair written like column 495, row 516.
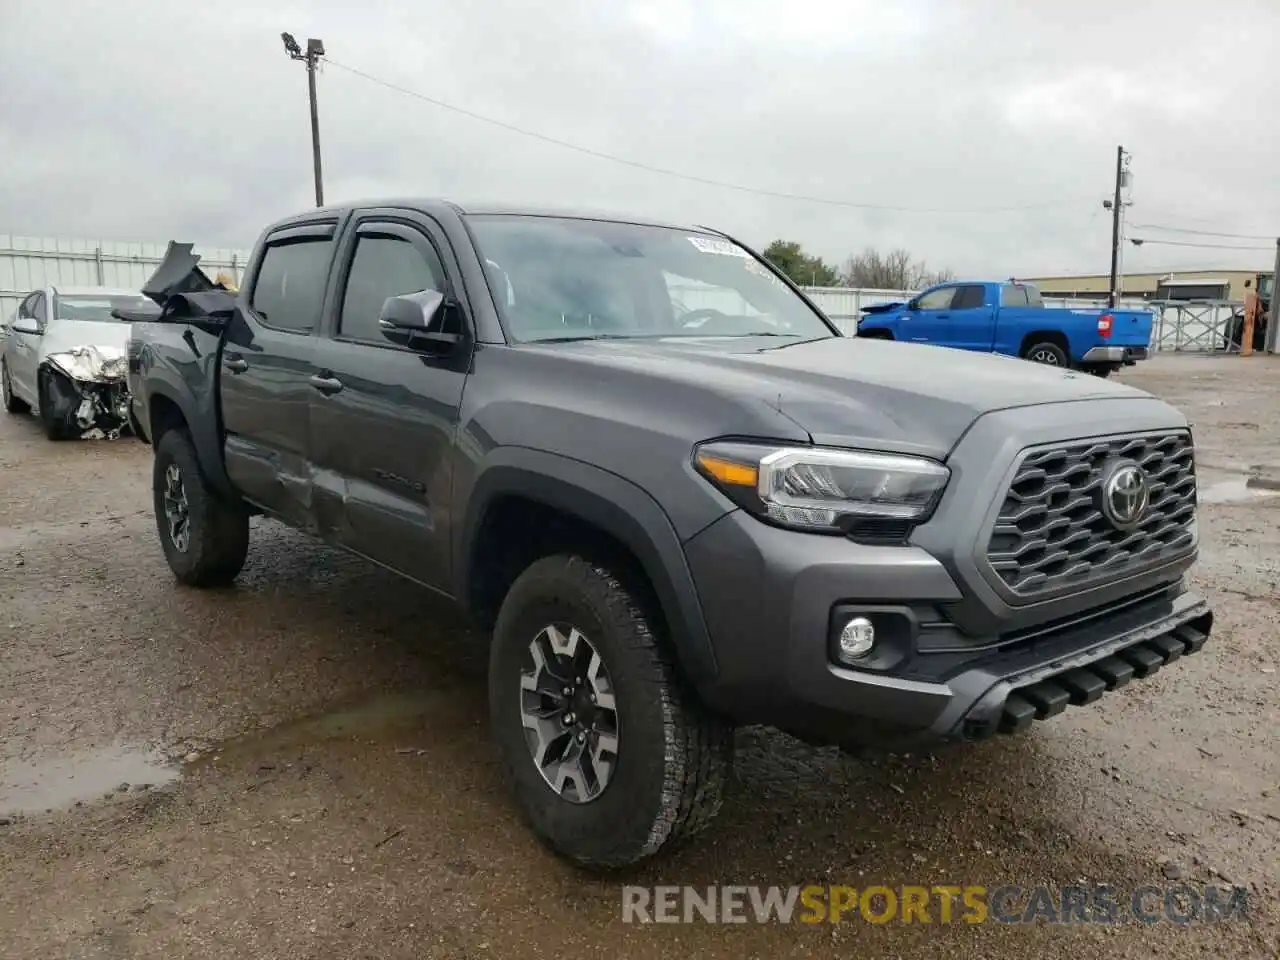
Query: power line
column 1136, row 241
column 1204, row 233
column 692, row 178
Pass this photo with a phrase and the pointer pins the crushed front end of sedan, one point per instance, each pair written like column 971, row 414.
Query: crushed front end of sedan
column 86, row 392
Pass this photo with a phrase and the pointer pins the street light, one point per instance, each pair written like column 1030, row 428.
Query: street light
column 313, row 53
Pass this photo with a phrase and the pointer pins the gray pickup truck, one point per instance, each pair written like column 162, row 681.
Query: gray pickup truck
column 680, row 500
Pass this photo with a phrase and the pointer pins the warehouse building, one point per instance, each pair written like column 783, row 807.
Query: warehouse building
column 1179, row 285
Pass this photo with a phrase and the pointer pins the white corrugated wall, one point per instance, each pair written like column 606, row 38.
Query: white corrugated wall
column 27, row 263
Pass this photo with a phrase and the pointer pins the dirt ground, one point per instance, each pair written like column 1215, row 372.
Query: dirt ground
column 300, row 767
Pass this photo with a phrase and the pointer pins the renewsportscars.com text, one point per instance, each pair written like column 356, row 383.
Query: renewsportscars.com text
column 938, row 903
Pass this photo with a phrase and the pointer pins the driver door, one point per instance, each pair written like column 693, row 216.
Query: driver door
column 24, row 346
column 930, row 321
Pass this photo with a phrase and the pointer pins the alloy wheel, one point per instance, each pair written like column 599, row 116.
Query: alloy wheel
column 569, row 713
column 1045, row 356
column 176, row 510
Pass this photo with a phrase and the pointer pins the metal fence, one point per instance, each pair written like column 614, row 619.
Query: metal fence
column 1200, row 326
column 28, row 263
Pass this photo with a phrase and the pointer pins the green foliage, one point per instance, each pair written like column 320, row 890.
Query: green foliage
column 802, row 268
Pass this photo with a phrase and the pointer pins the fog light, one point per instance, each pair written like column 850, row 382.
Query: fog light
column 857, row 638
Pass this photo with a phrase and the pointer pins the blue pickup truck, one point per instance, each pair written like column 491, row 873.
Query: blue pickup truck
column 1011, row 318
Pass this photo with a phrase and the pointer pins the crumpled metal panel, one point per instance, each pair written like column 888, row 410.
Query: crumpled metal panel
column 91, row 364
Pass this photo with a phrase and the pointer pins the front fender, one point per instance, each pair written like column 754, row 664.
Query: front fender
column 189, row 383
column 613, row 505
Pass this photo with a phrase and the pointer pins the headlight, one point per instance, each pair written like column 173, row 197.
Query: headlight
column 822, row 489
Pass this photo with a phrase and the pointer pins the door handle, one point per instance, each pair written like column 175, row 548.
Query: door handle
column 326, row 385
column 235, row 364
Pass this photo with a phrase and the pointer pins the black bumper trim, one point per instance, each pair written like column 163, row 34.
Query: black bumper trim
column 1048, row 696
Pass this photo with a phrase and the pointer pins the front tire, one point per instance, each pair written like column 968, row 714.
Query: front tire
column 11, row 403
column 55, row 427
column 625, row 762
column 205, row 537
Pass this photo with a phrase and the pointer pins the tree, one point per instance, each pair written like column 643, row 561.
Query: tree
column 804, row 269
column 895, row 270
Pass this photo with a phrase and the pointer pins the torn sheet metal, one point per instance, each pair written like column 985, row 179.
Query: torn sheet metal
column 91, row 364
column 88, row 408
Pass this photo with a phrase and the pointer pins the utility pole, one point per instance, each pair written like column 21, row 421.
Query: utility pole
column 312, row 55
column 1115, row 228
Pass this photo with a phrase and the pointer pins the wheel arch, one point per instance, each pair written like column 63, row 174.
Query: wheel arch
column 548, row 500
column 1056, row 337
column 169, row 409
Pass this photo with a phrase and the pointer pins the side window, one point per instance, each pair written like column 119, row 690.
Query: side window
column 289, row 288
column 1013, row 296
column 970, row 297
column 384, row 267
column 939, row 299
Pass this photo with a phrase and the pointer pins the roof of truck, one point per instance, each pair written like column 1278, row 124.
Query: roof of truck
column 490, row 208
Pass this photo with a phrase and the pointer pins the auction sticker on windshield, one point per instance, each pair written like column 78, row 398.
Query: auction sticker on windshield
column 722, row 247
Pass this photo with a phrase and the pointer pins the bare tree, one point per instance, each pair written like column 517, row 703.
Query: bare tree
column 895, row 270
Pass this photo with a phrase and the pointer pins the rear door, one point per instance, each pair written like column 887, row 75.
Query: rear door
column 972, row 324
column 266, row 369
column 1021, row 312
column 384, row 415
column 930, row 321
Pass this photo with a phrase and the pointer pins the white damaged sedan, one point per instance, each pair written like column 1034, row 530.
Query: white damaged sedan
column 64, row 358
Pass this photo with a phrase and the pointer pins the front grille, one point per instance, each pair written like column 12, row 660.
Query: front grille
column 1051, row 533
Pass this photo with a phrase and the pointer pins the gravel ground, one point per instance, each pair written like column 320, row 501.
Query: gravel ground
column 299, row 766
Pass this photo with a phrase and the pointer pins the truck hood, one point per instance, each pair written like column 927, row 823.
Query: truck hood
column 856, row 393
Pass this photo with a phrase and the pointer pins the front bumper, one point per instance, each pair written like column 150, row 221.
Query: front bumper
column 771, row 597
column 1114, row 354
column 88, row 408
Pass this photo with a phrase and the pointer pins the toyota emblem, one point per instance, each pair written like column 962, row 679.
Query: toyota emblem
column 1125, row 495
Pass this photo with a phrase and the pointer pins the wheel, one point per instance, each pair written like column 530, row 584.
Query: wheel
column 1047, row 353
column 609, row 757
column 1100, row 369
column 55, row 427
column 11, row 403
column 205, row 537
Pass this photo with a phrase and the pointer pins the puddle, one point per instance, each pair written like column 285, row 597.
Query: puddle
column 377, row 718
column 1239, row 490
column 61, row 782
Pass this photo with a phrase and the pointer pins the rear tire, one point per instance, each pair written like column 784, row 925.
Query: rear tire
column 11, row 403
column 661, row 778
column 205, row 537
column 1048, row 353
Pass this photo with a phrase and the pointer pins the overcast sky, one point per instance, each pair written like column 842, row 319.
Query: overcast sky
column 151, row 120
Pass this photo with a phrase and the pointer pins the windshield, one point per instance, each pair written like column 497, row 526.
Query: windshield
column 556, row 279
column 99, row 308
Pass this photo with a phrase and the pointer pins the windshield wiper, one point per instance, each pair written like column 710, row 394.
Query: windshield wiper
column 586, row 336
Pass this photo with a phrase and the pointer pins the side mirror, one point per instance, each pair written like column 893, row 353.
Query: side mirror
column 414, row 319
column 25, row 325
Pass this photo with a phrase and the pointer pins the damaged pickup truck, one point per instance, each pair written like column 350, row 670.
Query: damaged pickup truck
column 677, row 496
column 64, row 359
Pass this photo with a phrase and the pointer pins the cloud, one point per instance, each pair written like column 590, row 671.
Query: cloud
column 140, row 119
